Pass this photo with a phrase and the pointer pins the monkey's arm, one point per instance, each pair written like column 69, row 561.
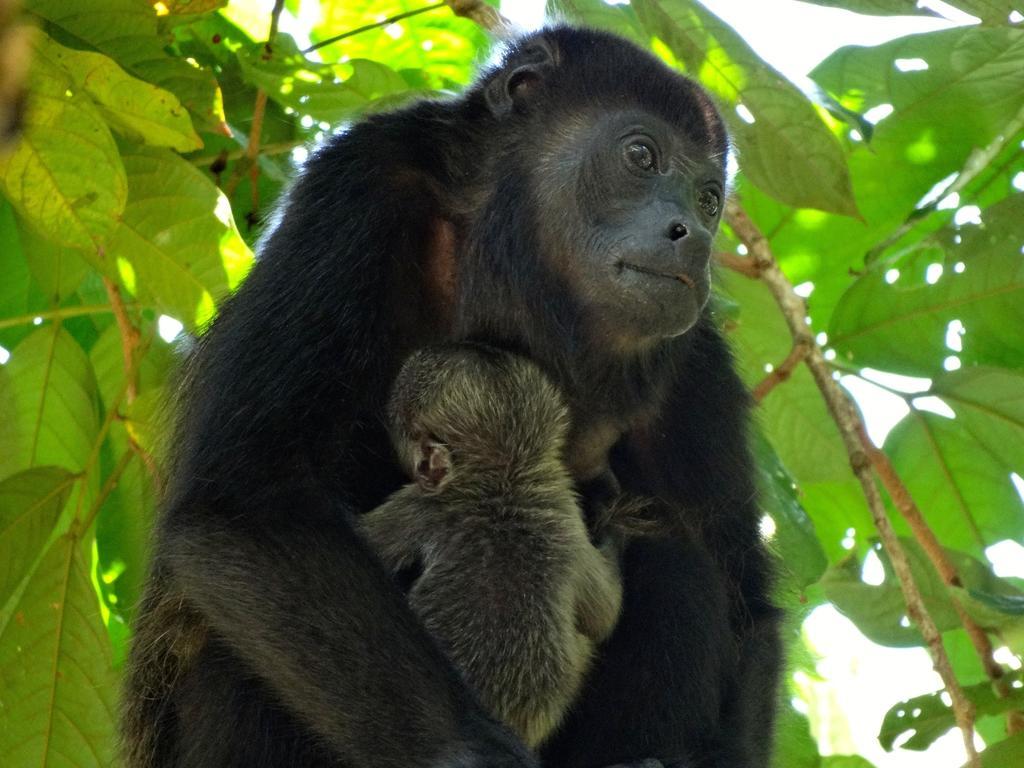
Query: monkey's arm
column 396, row 530
column 599, row 595
column 300, row 599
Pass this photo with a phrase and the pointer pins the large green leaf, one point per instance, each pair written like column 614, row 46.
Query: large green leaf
column 878, row 7
column 48, row 402
column 958, row 470
column 177, row 246
column 788, row 151
column 1008, row 753
column 58, row 684
column 141, row 111
column 129, row 32
column 902, row 327
column 30, row 503
column 65, row 175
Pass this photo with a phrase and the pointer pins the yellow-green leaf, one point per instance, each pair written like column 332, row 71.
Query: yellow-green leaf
column 30, row 503
column 177, row 246
column 65, row 175
column 55, row 662
column 137, row 109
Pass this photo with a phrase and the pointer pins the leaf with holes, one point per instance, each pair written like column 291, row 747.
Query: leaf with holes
column 902, row 327
column 926, row 718
column 958, row 470
column 48, row 398
column 56, row 665
column 177, row 246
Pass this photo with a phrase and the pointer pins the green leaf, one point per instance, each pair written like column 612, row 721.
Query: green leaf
column 141, row 111
column 438, row 45
column 1008, row 753
column 177, row 247
column 928, row 717
column 799, row 552
column 902, row 327
column 958, row 470
column 128, row 31
column 30, row 503
column 57, row 270
column 788, row 151
column 793, row 414
column 327, row 92
column 48, row 398
column 65, row 175
column 879, row 7
column 59, row 688
column 879, row 611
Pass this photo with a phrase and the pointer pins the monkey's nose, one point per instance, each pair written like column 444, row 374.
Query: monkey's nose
column 677, row 231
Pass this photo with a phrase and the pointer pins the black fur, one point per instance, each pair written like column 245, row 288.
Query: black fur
column 309, row 654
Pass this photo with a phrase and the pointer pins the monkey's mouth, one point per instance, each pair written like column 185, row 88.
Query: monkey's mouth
column 681, row 277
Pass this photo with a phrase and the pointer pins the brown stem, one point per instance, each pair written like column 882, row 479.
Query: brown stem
column 782, row 372
column 904, row 502
column 130, row 337
column 252, row 149
column 740, row 264
column 480, row 12
column 850, row 424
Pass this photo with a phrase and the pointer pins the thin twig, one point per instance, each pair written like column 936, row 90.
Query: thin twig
column 252, row 148
column 368, row 27
column 59, row 313
column 738, row 264
column 780, row 373
column 278, row 148
column 849, row 422
column 904, row 502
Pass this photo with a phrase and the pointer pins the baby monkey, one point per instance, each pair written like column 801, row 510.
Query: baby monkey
column 511, row 587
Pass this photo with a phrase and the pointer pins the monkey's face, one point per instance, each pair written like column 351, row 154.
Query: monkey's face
column 639, row 206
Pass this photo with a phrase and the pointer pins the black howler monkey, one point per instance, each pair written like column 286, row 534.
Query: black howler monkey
column 562, row 208
column 510, row 585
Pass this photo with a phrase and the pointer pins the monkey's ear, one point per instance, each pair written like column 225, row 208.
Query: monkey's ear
column 520, row 78
column 434, row 468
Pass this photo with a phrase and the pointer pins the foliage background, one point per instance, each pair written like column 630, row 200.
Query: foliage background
column 129, row 202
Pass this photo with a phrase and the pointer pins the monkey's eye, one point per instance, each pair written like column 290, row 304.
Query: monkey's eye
column 640, row 155
column 709, row 202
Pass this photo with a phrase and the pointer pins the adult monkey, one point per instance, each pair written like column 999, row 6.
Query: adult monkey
column 562, row 207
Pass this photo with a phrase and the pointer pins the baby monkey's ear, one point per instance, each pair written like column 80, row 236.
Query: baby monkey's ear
column 433, row 465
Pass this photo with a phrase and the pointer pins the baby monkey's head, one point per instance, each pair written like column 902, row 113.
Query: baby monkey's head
column 476, row 408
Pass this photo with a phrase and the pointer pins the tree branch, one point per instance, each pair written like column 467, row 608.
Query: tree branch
column 129, row 337
column 376, row 25
column 252, row 148
column 850, row 425
column 782, row 372
column 900, row 495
